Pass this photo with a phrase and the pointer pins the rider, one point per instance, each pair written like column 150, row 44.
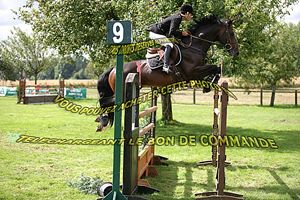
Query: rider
column 169, row 27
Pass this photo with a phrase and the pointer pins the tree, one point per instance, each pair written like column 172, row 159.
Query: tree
column 6, row 71
column 25, row 53
column 3, row 68
column 80, row 26
column 77, row 27
column 278, row 60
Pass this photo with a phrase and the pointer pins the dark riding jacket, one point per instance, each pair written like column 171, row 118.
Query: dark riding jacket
column 168, row 26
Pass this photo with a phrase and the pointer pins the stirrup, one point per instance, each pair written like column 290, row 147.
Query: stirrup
column 166, row 68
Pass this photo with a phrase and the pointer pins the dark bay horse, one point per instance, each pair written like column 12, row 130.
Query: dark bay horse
column 204, row 33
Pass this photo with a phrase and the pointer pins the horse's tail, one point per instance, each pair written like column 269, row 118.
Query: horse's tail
column 106, row 99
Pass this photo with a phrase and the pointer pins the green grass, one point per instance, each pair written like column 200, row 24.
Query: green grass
column 34, row 171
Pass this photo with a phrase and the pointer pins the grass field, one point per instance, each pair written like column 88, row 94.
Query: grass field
column 40, row 171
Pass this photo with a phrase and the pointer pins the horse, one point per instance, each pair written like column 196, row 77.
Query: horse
column 204, row 33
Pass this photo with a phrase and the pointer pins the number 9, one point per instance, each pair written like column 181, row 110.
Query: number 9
column 119, row 34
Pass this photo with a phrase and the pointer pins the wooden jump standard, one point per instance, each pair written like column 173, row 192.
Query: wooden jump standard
column 215, row 133
column 43, row 98
column 220, row 175
column 137, row 165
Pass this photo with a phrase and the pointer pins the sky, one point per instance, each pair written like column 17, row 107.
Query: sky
column 7, row 21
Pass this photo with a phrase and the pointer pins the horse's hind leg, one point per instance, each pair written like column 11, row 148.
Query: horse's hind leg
column 107, row 119
column 106, row 95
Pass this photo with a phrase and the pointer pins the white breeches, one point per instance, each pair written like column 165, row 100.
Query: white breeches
column 164, row 41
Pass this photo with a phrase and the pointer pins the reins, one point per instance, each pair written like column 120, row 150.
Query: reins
column 205, row 40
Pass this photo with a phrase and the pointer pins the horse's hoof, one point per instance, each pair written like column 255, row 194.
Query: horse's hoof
column 98, row 119
column 99, row 128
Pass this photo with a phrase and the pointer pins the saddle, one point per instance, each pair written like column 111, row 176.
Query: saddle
column 152, row 52
column 155, row 57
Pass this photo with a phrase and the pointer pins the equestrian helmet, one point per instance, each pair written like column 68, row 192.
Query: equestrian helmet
column 186, row 8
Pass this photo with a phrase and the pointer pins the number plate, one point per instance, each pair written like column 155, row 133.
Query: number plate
column 119, row 32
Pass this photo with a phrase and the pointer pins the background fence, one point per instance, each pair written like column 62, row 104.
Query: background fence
column 245, row 97
column 284, row 96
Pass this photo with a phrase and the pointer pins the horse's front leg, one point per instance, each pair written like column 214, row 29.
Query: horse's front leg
column 200, row 72
column 209, row 73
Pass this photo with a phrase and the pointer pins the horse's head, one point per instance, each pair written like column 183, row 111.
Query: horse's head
column 227, row 37
column 211, row 29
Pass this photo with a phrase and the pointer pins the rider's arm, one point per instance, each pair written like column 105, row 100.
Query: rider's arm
column 174, row 27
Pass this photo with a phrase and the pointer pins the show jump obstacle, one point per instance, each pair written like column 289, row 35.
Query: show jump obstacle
column 220, row 158
column 38, row 98
column 138, row 164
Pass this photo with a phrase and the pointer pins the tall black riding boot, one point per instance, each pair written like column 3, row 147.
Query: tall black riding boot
column 166, row 67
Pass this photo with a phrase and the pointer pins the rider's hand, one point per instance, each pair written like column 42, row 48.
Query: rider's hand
column 185, row 33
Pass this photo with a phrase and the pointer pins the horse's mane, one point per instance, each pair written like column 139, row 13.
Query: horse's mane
column 209, row 19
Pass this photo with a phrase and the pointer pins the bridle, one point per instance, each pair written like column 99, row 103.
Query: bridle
column 228, row 44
